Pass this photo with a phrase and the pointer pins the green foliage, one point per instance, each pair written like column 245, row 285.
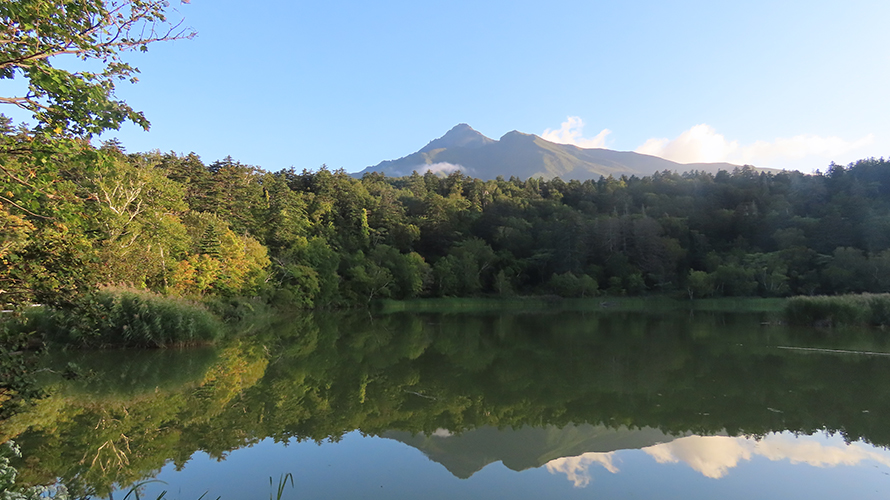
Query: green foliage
column 9, row 490
column 209, row 244
column 282, row 484
column 840, row 310
column 324, row 239
column 409, row 273
column 297, row 285
column 17, row 383
column 569, row 285
column 466, row 270
column 45, row 251
column 36, row 32
column 366, row 279
column 74, row 217
column 127, row 317
column 136, row 219
column 699, row 284
column 219, row 261
column 51, row 175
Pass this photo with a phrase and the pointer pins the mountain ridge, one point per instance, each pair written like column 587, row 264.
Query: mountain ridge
column 527, row 155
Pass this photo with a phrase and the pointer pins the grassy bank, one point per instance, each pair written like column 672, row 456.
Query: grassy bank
column 127, row 318
column 604, row 304
column 839, row 310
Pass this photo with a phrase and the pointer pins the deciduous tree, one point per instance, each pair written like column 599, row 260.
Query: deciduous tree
column 71, row 97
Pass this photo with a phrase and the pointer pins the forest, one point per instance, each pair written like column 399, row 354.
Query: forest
column 87, row 226
column 90, row 219
column 157, row 248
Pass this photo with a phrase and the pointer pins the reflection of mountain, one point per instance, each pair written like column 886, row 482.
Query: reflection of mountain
column 466, row 453
column 573, row 449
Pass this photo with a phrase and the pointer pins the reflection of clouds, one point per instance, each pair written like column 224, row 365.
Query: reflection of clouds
column 576, row 468
column 713, row 456
column 442, row 433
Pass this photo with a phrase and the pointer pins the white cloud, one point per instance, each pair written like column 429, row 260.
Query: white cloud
column 442, row 168
column 801, row 146
column 577, row 469
column 571, row 132
column 702, row 143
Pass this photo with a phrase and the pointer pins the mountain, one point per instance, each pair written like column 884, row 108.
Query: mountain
column 524, row 448
column 527, row 155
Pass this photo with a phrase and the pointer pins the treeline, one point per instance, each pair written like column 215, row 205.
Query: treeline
column 82, row 217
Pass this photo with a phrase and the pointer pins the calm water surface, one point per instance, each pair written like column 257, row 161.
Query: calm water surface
column 555, row 405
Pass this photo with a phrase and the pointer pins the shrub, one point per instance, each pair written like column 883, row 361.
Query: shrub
column 879, row 305
column 134, row 318
column 569, row 285
column 822, row 310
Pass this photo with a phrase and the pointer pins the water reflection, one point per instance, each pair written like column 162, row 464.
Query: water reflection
column 577, row 469
column 713, row 456
column 527, row 447
column 563, row 391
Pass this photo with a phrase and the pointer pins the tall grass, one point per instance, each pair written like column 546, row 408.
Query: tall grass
column 132, row 318
column 839, row 310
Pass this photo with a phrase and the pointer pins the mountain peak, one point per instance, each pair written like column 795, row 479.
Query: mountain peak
column 524, row 156
column 515, row 134
column 461, row 127
column 460, row 136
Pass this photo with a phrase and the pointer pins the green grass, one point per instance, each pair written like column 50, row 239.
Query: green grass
column 130, row 318
column 839, row 310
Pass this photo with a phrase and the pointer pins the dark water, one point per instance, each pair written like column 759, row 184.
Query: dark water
column 558, row 405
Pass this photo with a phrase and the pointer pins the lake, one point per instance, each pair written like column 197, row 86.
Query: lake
column 556, row 404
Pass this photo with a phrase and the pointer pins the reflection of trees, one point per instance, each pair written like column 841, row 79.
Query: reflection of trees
column 94, row 440
column 318, row 378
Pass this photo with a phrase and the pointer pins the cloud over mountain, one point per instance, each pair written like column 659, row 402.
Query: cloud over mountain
column 702, row 143
column 527, row 155
column 572, row 132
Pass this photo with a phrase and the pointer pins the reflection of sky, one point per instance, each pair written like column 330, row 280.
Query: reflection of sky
column 577, row 469
column 713, row 456
column 383, row 469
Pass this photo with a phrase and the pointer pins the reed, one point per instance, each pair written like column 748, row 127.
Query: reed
column 839, row 310
column 132, row 318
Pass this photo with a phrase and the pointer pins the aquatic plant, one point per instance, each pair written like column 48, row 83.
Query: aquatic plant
column 838, row 310
column 130, row 317
column 282, row 483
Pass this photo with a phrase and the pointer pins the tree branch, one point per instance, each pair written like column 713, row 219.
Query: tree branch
column 7, row 200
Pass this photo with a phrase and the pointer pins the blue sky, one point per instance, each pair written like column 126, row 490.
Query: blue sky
column 788, row 84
